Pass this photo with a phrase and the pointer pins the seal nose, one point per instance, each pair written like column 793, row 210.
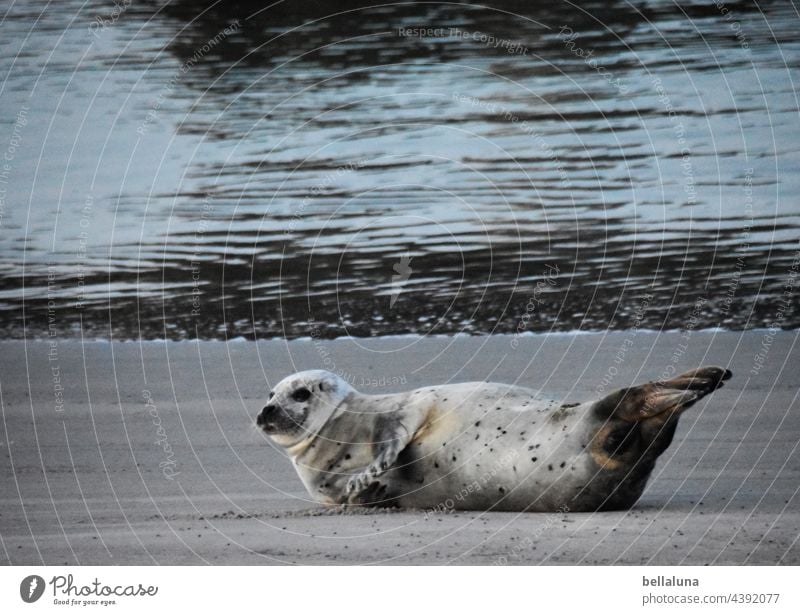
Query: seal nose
column 265, row 414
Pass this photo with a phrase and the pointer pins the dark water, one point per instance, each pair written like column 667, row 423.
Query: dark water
column 530, row 166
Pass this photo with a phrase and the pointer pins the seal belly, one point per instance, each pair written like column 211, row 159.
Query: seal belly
column 495, row 447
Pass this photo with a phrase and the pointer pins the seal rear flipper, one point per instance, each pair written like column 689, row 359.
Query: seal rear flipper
column 638, row 423
column 661, row 399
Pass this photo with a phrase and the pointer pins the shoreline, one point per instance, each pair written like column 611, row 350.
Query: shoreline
column 154, row 457
column 308, row 338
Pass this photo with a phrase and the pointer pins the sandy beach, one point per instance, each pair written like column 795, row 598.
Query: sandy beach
column 127, row 453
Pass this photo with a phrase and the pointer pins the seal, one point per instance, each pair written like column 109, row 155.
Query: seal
column 477, row 445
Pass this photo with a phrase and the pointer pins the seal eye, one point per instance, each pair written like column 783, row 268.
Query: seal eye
column 301, row 394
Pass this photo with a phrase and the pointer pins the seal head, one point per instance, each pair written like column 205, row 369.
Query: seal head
column 300, row 405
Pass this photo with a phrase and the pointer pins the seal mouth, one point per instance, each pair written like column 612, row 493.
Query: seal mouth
column 268, row 428
column 282, row 423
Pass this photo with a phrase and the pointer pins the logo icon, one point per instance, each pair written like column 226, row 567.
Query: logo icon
column 403, row 270
column 31, row 588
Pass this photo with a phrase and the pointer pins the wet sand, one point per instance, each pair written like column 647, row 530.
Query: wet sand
column 149, row 454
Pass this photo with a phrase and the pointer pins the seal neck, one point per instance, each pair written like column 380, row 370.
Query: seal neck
column 298, row 448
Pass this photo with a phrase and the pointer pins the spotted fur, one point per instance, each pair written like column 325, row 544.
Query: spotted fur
column 477, row 446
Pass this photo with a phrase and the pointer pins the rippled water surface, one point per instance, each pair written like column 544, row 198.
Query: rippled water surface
column 219, row 170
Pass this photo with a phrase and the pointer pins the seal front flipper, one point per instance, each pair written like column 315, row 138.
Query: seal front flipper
column 390, row 437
